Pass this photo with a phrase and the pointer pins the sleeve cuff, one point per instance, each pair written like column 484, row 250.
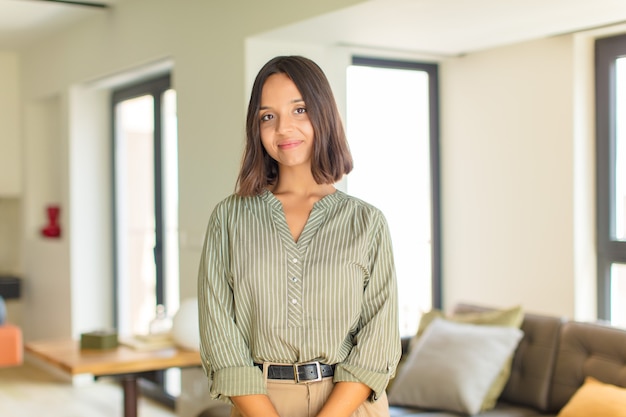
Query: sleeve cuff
column 231, row 382
column 375, row 380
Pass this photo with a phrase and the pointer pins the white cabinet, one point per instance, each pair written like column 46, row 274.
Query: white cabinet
column 10, row 144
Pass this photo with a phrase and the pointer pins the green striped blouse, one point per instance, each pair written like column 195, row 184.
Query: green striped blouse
column 331, row 296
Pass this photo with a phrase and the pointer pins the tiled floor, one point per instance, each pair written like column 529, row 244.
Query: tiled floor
column 28, row 391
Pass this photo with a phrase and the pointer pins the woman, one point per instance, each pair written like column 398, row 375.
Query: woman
column 297, row 292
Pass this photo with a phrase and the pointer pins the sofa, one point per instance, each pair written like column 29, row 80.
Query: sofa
column 554, row 358
column 550, row 364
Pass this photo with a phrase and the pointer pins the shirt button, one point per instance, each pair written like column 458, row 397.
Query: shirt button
column 295, row 260
column 294, row 301
column 294, row 279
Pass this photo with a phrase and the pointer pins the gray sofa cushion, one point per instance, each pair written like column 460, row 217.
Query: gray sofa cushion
column 587, row 350
column 533, row 362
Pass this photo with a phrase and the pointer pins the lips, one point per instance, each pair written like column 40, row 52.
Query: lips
column 289, row 144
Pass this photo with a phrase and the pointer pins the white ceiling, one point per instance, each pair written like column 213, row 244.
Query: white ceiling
column 452, row 27
column 25, row 21
column 438, row 27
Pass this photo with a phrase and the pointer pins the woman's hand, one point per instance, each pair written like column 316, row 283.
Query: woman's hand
column 345, row 398
column 255, row 406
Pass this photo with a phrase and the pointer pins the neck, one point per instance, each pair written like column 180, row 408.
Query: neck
column 300, row 182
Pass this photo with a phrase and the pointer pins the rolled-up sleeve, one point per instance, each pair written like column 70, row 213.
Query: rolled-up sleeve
column 225, row 354
column 377, row 349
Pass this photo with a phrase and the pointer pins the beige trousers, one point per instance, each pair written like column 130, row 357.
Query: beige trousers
column 306, row 399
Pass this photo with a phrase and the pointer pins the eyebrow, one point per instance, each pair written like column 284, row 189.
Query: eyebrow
column 295, row 100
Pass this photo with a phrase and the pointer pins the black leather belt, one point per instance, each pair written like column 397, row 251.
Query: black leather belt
column 299, row 372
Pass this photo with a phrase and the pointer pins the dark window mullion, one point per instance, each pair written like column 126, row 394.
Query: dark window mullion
column 609, row 250
column 603, row 105
column 616, row 252
column 158, row 197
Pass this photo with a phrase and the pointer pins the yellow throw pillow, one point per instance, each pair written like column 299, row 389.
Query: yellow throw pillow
column 595, row 398
column 510, row 317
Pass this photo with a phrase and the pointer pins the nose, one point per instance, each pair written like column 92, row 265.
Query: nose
column 284, row 124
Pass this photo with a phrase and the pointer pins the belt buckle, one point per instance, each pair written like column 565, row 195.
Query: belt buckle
column 318, row 368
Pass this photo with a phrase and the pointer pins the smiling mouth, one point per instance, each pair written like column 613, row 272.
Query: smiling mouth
column 289, row 144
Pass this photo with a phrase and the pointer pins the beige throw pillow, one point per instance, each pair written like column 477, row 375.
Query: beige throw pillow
column 510, row 317
column 453, row 366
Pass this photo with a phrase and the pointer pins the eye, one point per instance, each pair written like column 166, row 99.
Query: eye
column 301, row 110
column 267, row 117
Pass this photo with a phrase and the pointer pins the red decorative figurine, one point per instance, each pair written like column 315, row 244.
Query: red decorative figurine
column 52, row 229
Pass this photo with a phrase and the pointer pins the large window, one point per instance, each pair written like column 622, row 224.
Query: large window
column 611, row 177
column 146, row 210
column 392, row 127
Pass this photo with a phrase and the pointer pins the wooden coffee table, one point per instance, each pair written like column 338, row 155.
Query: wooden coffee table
column 124, row 362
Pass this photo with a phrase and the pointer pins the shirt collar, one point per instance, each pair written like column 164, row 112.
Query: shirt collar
column 325, row 202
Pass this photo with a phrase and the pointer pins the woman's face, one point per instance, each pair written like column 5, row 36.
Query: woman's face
column 286, row 131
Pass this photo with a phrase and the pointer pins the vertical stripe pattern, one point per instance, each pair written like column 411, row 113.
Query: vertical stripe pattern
column 331, row 296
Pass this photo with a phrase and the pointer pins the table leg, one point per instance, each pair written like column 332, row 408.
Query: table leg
column 129, row 384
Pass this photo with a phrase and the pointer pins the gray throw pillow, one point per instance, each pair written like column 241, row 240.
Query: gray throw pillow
column 453, row 365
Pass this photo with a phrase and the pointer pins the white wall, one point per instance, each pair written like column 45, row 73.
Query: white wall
column 90, row 229
column 10, row 156
column 10, row 235
column 46, row 301
column 507, row 151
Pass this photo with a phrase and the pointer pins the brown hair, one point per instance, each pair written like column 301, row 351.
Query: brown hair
column 331, row 158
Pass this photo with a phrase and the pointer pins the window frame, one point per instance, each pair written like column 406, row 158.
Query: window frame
column 609, row 250
column 152, row 384
column 156, row 88
column 435, row 186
